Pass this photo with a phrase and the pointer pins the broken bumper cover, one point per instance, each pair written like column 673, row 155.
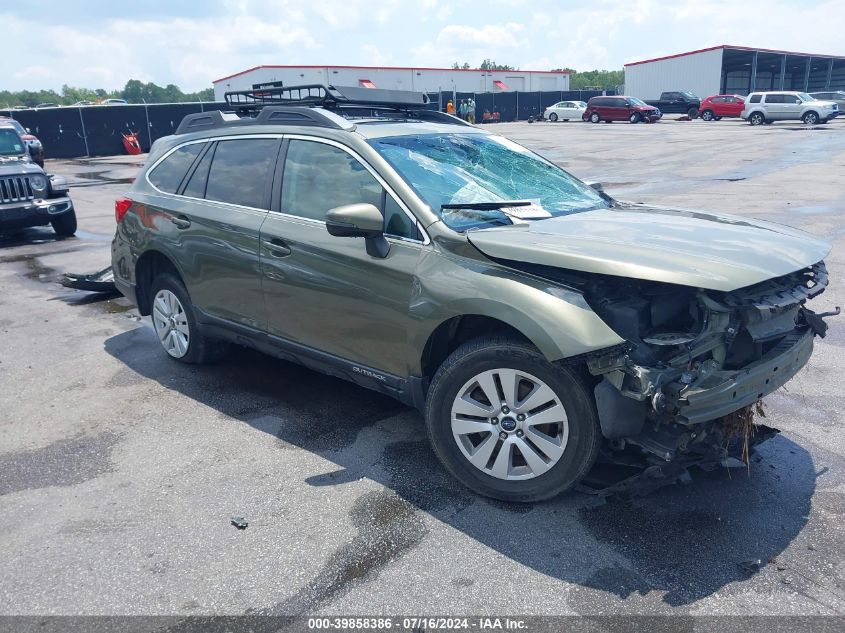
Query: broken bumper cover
column 19, row 215
column 724, row 392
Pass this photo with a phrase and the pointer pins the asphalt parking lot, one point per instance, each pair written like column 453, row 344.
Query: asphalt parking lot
column 120, row 469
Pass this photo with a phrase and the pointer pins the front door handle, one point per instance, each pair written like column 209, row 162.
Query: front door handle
column 277, row 247
column 181, row 221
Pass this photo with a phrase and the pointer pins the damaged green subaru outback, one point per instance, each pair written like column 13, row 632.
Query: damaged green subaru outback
column 537, row 323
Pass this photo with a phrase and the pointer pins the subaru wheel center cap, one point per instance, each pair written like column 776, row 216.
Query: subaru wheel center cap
column 508, row 424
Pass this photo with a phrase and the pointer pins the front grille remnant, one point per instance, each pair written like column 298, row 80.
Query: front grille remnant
column 15, row 189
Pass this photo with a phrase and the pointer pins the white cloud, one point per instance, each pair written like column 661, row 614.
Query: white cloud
column 94, row 50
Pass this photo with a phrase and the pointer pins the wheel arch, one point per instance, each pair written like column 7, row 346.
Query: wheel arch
column 557, row 327
column 150, row 265
column 457, row 330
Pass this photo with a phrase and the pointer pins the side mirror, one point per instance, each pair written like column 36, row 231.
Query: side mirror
column 359, row 220
column 28, row 131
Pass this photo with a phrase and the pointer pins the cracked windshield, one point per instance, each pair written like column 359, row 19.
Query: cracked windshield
column 451, row 169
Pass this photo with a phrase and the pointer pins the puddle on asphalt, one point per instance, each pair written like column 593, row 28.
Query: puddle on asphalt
column 97, row 237
column 35, row 269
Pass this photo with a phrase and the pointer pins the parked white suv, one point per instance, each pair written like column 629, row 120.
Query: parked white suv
column 768, row 107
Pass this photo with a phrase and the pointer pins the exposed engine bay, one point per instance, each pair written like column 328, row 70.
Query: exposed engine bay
column 695, row 362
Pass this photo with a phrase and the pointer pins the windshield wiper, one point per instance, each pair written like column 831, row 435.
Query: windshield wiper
column 487, row 206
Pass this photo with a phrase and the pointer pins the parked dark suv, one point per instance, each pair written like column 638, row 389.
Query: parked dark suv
column 533, row 319
column 28, row 196
column 610, row 109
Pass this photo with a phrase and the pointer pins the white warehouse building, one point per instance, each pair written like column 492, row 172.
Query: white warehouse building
column 727, row 69
column 415, row 79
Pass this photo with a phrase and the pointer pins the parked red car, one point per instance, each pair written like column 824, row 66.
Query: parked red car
column 715, row 107
column 620, row 109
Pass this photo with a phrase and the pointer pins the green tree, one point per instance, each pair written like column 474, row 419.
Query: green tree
column 604, row 79
column 489, row 64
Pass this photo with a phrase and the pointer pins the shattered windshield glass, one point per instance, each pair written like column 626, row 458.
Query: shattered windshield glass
column 453, row 169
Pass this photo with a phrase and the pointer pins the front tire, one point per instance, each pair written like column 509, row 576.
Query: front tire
column 635, row 117
column 509, row 424
column 64, row 224
column 692, row 113
column 176, row 325
column 595, row 118
column 810, row 118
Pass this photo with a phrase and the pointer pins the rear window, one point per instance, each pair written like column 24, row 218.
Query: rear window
column 755, row 99
column 168, row 174
column 240, row 171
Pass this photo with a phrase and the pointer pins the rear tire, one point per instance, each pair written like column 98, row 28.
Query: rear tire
column 543, row 458
column 756, row 118
column 553, row 117
column 595, row 118
column 64, row 224
column 176, row 325
column 707, row 115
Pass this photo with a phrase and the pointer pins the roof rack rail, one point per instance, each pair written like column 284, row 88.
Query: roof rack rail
column 329, row 97
column 317, row 105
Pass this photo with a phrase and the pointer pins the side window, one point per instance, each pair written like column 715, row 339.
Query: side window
column 754, row 99
column 240, row 170
column 319, row 177
column 774, row 98
column 620, row 103
column 397, row 222
column 791, row 99
column 196, row 182
column 168, row 174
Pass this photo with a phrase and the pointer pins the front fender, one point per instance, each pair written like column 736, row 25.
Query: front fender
column 555, row 319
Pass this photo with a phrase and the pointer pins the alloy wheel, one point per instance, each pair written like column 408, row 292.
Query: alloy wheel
column 171, row 323
column 509, row 424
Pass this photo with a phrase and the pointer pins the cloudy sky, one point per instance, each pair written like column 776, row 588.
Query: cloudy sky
column 102, row 43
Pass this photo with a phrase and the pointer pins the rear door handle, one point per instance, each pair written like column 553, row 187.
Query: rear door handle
column 277, row 247
column 181, row 221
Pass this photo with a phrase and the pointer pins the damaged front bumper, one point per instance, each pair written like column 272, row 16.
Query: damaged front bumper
column 671, row 394
column 723, row 392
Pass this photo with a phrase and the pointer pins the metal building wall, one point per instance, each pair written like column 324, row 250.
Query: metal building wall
column 699, row 73
column 416, row 79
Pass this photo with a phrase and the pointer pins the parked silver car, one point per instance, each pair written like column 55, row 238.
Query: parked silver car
column 768, row 107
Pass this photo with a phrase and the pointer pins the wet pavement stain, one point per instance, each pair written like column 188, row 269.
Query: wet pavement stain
column 36, row 271
column 388, row 527
column 63, row 463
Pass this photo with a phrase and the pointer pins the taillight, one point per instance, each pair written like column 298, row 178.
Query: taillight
column 121, row 206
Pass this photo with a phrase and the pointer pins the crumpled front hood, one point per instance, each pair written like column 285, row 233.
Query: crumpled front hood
column 702, row 250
